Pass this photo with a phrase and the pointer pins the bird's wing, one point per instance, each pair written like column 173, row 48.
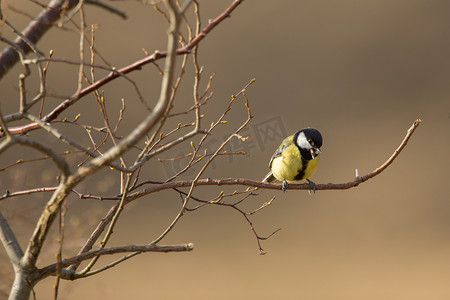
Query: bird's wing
column 287, row 141
column 276, row 154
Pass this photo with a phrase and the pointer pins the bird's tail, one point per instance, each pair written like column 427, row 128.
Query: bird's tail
column 269, row 177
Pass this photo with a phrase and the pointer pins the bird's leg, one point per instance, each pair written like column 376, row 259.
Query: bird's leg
column 284, row 186
column 312, row 186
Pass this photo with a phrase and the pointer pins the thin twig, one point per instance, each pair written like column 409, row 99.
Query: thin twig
column 81, row 45
column 9, row 194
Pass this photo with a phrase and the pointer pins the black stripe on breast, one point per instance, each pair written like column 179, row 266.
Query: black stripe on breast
column 301, row 172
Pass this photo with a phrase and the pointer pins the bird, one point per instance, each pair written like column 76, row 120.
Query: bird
column 296, row 159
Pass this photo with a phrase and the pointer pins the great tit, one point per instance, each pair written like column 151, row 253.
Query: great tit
column 296, row 159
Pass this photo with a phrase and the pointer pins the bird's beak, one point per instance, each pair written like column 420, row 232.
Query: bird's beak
column 314, row 152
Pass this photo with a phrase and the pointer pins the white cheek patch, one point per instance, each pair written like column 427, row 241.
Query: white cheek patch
column 303, row 142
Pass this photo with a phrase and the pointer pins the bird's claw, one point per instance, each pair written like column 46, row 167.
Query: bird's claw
column 284, row 186
column 312, row 186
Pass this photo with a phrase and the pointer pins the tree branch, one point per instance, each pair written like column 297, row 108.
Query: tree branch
column 10, row 242
column 51, row 269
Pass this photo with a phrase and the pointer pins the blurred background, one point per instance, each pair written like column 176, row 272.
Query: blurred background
column 359, row 71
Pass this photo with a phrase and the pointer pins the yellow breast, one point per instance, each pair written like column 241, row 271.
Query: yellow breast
column 289, row 165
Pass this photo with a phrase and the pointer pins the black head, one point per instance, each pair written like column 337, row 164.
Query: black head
column 309, row 141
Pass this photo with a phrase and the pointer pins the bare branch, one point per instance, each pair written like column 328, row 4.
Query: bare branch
column 9, row 194
column 81, row 45
column 51, row 269
column 10, row 243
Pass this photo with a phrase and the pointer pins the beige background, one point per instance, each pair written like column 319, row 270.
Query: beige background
column 359, row 71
